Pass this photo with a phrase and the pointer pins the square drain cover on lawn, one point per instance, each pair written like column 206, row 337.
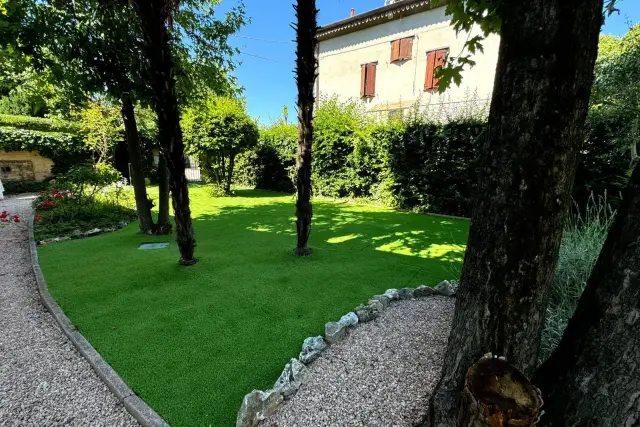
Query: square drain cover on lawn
column 150, row 246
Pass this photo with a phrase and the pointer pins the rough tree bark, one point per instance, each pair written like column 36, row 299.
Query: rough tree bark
column 593, row 376
column 143, row 204
column 164, row 224
column 538, row 109
column 306, row 71
column 154, row 16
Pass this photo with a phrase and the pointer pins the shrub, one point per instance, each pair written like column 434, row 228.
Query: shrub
column 85, row 198
column 215, row 190
column 413, row 163
column 86, row 181
column 583, row 237
column 217, row 130
column 18, row 187
column 39, row 124
column 271, row 164
column 434, row 165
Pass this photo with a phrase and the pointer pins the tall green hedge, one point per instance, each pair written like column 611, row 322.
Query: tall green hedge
column 413, row 163
column 38, row 123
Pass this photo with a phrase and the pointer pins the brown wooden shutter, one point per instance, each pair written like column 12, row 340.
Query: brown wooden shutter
column 363, row 80
column 395, row 50
column 428, row 80
column 371, row 79
column 440, row 59
column 406, row 48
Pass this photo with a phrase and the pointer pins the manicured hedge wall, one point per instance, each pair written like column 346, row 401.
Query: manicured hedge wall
column 38, row 123
column 414, row 164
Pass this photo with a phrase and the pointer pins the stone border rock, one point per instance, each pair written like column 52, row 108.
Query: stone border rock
column 80, row 235
column 258, row 405
column 137, row 407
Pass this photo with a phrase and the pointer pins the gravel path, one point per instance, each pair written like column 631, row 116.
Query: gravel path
column 44, row 381
column 381, row 375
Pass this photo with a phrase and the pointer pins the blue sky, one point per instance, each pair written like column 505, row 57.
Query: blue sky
column 268, row 51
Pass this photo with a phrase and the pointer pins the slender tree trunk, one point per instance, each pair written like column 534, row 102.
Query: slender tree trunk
column 593, row 376
column 229, row 177
column 154, row 15
column 306, row 72
column 538, row 110
column 143, row 204
column 164, row 223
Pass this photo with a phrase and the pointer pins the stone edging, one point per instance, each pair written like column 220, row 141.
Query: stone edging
column 258, row 405
column 80, row 235
column 137, row 407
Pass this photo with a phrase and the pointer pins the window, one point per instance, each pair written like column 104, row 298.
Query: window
column 435, row 59
column 401, row 49
column 368, row 80
column 6, row 169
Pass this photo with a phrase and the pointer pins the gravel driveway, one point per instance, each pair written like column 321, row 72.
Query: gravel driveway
column 382, row 374
column 44, row 381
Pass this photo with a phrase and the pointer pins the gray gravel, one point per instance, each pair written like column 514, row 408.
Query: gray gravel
column 382, row 374
column 44, row 381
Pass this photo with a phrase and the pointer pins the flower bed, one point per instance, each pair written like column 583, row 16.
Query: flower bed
column 62, row 214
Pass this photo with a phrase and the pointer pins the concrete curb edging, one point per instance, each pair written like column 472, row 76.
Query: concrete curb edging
column 137, row 407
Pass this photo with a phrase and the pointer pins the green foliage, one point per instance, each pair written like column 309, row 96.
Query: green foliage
column 616, row 91
column 64, row 150
column 18, row 187
column 86, row 181
column 584, row 235
column 84, row 198
column 271, row 164
column 485, row 14
column 603, row 164
column 101, row 124
column 215, row 190
column 414, row 163
column 217, row 130
column 39, row 124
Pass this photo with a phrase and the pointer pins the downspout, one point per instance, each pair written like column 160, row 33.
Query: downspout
column 318, row 75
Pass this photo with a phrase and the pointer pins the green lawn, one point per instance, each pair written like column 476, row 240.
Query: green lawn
column 193, row 341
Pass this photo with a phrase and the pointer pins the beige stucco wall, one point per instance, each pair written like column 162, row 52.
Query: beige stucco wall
column 24, row 166
column 401, row 84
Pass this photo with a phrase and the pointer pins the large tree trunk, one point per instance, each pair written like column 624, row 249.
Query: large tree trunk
column 164, row 224
column 593, row 376
column 154, row 15
column 143, row 204
column 526, row 173
column 306, row 70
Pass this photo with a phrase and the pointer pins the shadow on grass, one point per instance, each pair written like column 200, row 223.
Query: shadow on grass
column 355, row 228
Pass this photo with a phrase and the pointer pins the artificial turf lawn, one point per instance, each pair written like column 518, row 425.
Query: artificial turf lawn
column 192, row 341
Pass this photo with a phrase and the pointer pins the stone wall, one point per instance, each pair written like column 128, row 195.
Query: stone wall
column 24, row 166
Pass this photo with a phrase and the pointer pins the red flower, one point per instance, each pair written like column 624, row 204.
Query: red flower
column 16, row 218
column 3, row 214
column 37, row 218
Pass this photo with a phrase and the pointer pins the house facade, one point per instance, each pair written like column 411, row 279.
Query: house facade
column 386, row 58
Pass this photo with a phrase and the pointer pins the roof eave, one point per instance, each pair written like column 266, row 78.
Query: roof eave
column 376, row 17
